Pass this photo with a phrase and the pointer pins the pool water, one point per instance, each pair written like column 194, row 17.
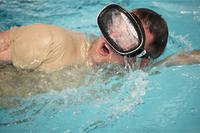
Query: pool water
column 107, row 99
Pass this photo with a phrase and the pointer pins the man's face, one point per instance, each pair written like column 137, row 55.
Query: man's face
column 100, row 52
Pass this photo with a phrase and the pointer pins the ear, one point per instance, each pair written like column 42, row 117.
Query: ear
column 144, row 63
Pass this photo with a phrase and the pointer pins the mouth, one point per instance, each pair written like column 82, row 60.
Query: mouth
column 104, row 49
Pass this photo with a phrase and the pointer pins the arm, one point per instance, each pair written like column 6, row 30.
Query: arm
column 180, row 59
column 5, row 54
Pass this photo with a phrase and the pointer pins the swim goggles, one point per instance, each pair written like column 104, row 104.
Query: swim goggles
column 123, row 31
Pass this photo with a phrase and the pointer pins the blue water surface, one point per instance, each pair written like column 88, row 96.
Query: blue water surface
column 163, row 100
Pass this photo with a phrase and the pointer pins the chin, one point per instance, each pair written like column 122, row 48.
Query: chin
column 96, row 60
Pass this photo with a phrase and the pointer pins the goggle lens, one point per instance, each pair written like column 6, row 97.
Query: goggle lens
column 120, row 30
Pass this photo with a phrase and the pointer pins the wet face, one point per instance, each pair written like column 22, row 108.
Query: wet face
column 100, row 51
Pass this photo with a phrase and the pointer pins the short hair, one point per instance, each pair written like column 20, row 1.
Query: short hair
column 157, row 27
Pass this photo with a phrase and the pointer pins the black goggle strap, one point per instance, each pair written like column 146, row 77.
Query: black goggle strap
column 143, row 54
column 140, row 53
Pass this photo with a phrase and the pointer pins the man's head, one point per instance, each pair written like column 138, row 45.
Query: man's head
column 156, row 33
column 156, row 27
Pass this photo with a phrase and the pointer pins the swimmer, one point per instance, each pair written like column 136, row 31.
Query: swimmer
column 140, row 33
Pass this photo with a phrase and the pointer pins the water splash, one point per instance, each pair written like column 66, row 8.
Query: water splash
column 105, row 94
column 181, row 41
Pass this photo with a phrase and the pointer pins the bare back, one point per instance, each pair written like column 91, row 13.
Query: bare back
column 43, row 47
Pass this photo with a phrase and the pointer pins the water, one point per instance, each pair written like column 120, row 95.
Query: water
column 108, row 98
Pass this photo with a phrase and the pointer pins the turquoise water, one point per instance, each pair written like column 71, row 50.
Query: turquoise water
column 107, row 99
